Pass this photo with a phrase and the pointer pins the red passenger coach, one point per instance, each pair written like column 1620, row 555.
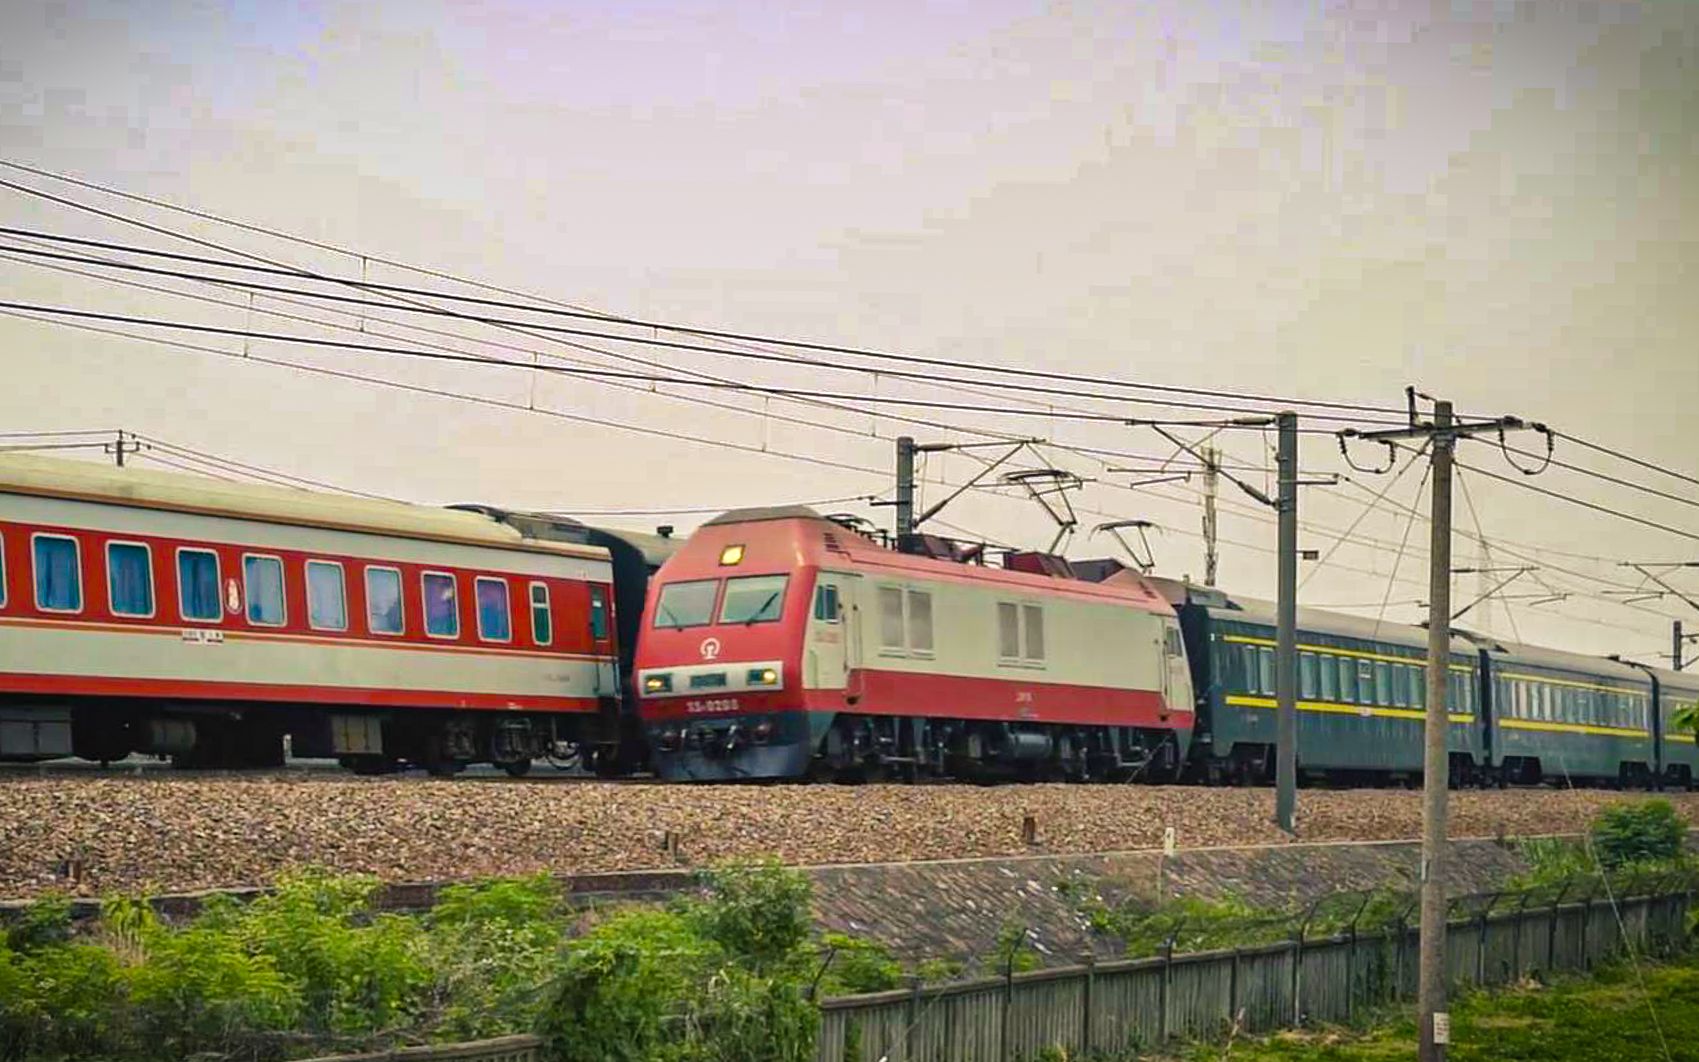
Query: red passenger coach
column 147, row 612
column 778, row 643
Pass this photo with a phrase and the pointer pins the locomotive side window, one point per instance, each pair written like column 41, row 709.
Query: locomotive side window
column 1033, row 616
column 58, row 574
column 754, row 599
column 327, row 596
column 598, row 613
column 891, row 635
column 442, row 608
column 383, row 601
column 129, row 579
column 542, row 627
column 919, row 621
column 826, row 603
column 262, row 577
column 495, row 622
column 197, row 585
column 1008, row 631
column 689, row 604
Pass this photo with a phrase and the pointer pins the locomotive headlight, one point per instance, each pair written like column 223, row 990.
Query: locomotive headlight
column 658, row 684
column 731, row 555
column 763, row 676
column 763, row 730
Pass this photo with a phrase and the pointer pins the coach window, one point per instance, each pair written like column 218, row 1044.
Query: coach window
column 1307, row 675
column 263, row 579
column 1347, row 680
column 442, row 607
column 891, row 633
column 1265, row 671
column 129, row 579
column 383, row 600
column 58, row 574
column 919, row 621
column 598, row 613
column 197, row 585
column 495, row 622
column 542, row 625
column 1329, row 687
column 327, row 596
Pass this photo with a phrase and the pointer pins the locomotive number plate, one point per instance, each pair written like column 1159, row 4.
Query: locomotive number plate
column 721, row 704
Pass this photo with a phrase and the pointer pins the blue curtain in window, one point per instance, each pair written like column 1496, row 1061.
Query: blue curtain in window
column 197, row 574
column 442, row 616
column 130, row 580
column 493, row 622
column 383, row 601
column 327, row 607
column 264, row 578
column 57, row 584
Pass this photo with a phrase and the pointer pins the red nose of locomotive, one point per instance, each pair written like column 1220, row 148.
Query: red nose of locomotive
column 717, row 662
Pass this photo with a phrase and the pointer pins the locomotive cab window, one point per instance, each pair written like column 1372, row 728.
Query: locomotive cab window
column 1032, row 623
column 687, row 604
column 383, row 601
column 495, row 623
column 197, row 585
column 598, row 613
column 754, row 599
column 58, row 574
column 262, row 577
column 542, row 623
column 129, row 579
column 327, row 596
column 442, row 605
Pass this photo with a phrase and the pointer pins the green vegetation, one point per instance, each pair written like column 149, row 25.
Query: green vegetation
column 313, row 967
column 1607, row 1018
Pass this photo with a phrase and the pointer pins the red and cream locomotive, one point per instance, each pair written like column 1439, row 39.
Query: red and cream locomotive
column 777, row 643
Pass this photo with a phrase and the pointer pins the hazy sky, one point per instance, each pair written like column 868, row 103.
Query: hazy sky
column 1495, row 202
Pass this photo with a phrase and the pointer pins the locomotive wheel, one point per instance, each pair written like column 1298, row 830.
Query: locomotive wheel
column 517, row 768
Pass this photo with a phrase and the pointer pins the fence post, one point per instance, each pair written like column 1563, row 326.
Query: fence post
column 1298, row 968
column 1165, row 991
column 1008, row 1001
column 1086, row 1003
column 1481, row 940
column 1551, row 927
column 1587, row 932
column 913, row 1018
column 1351, row 959
column 1516, row 951
column 1233, row 989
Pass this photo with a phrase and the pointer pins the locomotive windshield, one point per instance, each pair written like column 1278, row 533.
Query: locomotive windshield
column 754, row 599
column 686, row 604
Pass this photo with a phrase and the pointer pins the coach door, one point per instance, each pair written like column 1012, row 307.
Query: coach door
column 829, row 633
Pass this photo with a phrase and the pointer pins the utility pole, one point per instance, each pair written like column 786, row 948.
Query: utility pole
column 121, row 447
column 1433, row 1023
column 905, row 488
column 1676, row 643
column 1286, row 623
column 1211, row 479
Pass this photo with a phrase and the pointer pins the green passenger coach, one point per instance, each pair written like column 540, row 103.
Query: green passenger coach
column 1361, row 693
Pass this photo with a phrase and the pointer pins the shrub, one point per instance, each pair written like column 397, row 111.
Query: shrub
column 1646, row 831
column 617, row 985
column 492, row 949
column 744, row 1017
column 854, row 965
column 757, row 912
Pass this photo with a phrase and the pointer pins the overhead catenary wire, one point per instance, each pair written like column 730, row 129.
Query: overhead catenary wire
column 890, row 356
column 927, row 377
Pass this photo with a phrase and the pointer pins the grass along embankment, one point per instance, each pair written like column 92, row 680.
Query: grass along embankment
column 1623, row 1013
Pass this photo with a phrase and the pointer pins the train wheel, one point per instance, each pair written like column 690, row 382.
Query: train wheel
column 517, row 768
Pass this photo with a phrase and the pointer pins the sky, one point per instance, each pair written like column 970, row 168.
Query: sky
column 1493, row 202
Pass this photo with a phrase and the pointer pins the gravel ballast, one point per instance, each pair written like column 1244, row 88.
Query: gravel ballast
column 174, row 834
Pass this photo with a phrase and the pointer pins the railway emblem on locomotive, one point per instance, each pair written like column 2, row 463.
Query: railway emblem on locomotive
column 710, row 648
